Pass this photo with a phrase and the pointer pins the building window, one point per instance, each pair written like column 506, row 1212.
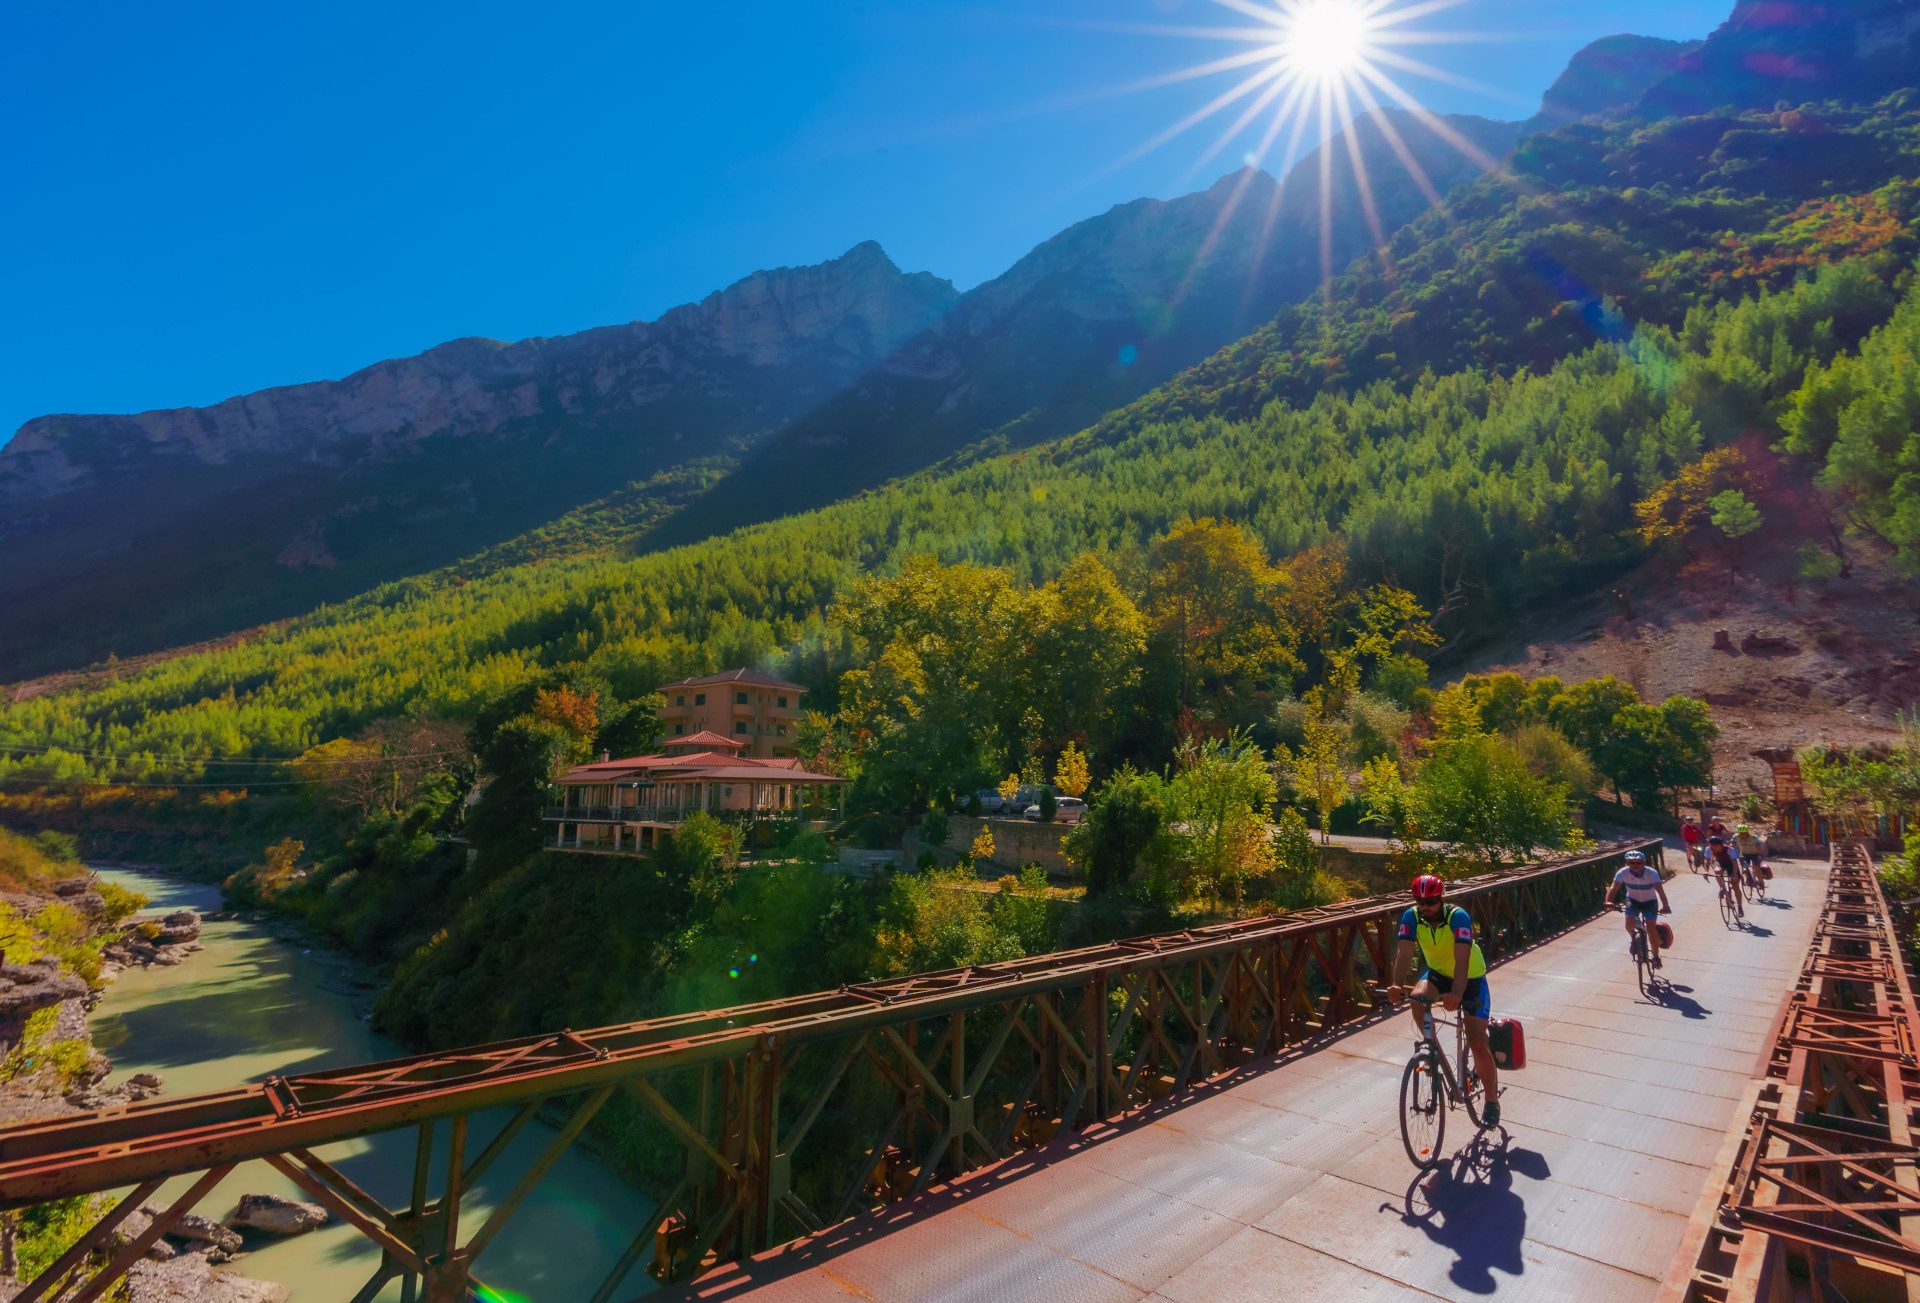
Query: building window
column 680, row 700
column 778, row 752
column 783, row 701
column 679, row 729
column 740, row 727
column 699, row 698
column 726, row 791
column 781, row 729
column 739, row 698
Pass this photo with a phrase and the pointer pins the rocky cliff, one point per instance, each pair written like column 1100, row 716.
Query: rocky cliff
column 824, row 322
column 1794, row 51
column 184, row 524
column 1610, row 73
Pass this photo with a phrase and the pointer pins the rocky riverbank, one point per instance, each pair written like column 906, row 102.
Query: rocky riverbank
column 53, row 1069
column 52, row 1065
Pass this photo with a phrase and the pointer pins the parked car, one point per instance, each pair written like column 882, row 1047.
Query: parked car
column 1066, row 809
column 991, row 802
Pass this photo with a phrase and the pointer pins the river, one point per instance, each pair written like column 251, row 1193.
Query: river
column 251, row 1005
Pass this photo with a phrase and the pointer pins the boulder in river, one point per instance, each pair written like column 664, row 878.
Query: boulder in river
column 273, row 1215
column 203, row 1230
column 178, row 927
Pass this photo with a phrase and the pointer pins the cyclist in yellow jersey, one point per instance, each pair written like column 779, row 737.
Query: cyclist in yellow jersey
column 1451, row 966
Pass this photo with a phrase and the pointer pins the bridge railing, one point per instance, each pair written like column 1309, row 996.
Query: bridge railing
column 1822, row 1192
column 786, row 1116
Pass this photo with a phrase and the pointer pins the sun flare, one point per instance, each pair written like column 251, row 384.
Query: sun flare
column 1324, row 40
column 1302, row 71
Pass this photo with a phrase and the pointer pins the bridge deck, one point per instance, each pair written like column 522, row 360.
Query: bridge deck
column 1293, row 1180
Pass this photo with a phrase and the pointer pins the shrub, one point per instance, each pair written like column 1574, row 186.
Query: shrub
column 1124, row 824
column 935, row 828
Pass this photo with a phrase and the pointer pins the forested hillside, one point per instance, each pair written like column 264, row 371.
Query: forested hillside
column 1557, row 346
column 192, row 523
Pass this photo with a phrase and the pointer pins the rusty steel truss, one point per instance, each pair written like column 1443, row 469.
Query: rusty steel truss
column 786, row 1116
column 1822, row 1200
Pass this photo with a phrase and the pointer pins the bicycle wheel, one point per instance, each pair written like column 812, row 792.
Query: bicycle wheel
column 1640, row 959
column 1423, row 1110
column 1726, row 907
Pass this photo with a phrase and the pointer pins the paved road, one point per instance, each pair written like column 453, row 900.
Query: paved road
column 1293, row 1184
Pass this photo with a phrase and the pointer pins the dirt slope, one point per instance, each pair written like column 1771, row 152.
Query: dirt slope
column 1800, row 662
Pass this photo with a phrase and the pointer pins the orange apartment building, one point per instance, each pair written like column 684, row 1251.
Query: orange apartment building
column 758, row 711
column 748, row 771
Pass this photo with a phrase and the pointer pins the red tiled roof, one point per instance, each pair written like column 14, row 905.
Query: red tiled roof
column 732, row 676
column 700, row 764
column 705, row 737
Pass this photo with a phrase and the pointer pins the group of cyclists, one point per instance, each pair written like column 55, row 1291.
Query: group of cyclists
column 1452, row 970
column 1735, row 859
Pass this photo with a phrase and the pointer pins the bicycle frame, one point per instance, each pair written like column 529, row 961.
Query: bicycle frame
column 1456, row 1091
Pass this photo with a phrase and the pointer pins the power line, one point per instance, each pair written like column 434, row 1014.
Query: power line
column 142, row 757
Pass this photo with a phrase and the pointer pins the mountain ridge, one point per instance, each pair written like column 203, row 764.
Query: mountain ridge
column 749, row 319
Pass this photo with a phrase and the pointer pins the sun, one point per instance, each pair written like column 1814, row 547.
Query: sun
column 1302, row 71
column 1325, row 40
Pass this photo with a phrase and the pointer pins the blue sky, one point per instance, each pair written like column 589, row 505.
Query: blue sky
column 202, row 199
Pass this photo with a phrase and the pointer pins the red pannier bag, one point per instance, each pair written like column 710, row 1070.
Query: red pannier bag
column 1766, row 873
column 1666, row 935
column 1509, row 1041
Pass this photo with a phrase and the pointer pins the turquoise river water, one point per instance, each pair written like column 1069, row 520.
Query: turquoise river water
column 251, row 1005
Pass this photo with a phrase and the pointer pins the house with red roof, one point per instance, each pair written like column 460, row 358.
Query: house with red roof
column 630, row 805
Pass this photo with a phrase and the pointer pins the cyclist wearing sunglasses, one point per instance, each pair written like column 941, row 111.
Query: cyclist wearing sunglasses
column 1646, row 893
column 1452, row 967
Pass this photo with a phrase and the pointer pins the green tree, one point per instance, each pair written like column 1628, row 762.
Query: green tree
column 1587, row 714
column 1733, row 514
column 705, row 852
column 1549, row 755
column 521, row 759
column 1124, row 825
column 1221, row 794
column 1478, row 796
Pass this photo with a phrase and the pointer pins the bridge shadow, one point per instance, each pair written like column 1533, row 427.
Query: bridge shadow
column 1470, row 1208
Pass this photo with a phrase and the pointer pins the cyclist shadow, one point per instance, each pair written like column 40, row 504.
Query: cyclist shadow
column 1754, row 929
column 1469, row 1206
column 1668, row 996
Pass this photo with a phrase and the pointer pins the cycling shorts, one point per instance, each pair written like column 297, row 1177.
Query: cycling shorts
column 1750, row 861
column 1476, row 1001
column 1647, row 909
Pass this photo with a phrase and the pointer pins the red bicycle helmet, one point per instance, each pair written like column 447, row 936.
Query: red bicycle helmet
column 1428, row 887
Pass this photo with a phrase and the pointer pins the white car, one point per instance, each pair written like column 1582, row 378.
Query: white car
column 1066, row 809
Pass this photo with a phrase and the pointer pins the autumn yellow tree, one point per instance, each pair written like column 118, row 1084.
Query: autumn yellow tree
column 1071, row 775
column 982, row 849
column 1216, row 611
column 578, row 713
column 345, row 773
column 1684, row 507
column 1319, row 767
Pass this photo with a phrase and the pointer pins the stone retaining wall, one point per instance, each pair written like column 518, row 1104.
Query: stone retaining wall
column 1016, row 843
